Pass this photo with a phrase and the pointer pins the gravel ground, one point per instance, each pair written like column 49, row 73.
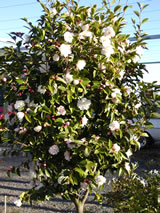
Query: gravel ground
column 12, row 187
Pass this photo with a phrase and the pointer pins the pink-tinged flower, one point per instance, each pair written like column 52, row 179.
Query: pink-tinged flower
column 20, row 116
column 114, row 126
column 65, row 49
column 100, row 180
column 81, row 64
column 4, row 79
column 68, row 37
column 18, row 202
column 116, row 148
column 22, row 130
column 61, row 110
column 83, row 104
column 53, row 150
column 38, row 128
column 67, row 156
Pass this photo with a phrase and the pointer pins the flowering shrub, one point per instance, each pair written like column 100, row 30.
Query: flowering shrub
column 136, row 193
column 75, row 98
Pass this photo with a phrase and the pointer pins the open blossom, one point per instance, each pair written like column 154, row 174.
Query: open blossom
column 20, row 116
column 53, row 150
column 19, row 104
column 41, row 90
column 53, row 12
column 105, row 40
column 116, row 92
column 109, row 31
column 100, row 180
column 81, row 64
column 128, row 89
column 114, row 126
column 61, row 110
column 67, row 156
column 121, row 74
column 38, row 128
column 18, row 202
column 65, row 49
column 84, row 121
column 68, row 78
column 68, row 37
column 83, row 104
column 107, row 51
column 116, row 148
column 56, row 57
column 76, row 82
column 85, row 27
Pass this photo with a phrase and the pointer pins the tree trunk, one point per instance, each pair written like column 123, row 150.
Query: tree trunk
column 79, row 206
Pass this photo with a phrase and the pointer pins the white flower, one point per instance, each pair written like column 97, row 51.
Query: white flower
column 65, row 49
column 83, row 104
column 56, row 57
column 100, row 180
column 128, row 153
column 22, row 130
column 81, row 64
column 76, row 82
column 89, row 11
column 19, row 104
column 116, row 92
column 116, row 148
column 121, row 74
column 107, row 51
column 41, row 90
column 69, row 143
column 85, row 34
column 114, row 126
column 67, row 156
column 53, row 150
column 38, row 128
column 105, row 40
column 85, row 27
column 61, row 110
column 68, row 37
column 137, row 106
column 20, row 116
column 109, row 31
column 53, row 12
column 139, row 50
column 18, row 202
column 128, row 89
column 84, row 121
column 68, row 78
column 127, row 166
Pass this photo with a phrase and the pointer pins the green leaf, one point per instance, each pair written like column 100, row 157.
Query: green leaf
column 137, row 13
column 117, row 8
column 28, row 117
column 47, row 173
column 80, row 172
column 23, row 87
column 144, row 20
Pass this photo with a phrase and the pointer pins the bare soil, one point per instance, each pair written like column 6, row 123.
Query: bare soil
column 11, row 188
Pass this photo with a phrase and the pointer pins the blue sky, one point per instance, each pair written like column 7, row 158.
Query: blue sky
column 11, row 12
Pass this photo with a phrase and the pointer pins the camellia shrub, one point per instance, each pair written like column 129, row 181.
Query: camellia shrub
column 75, row 98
